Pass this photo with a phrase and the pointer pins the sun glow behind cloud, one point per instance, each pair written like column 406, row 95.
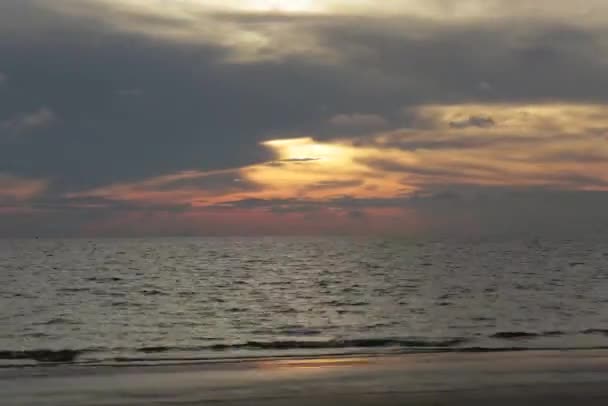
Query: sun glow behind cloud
column 350, row 179
column 550, row 145
column 306, row 149
column 319, row 170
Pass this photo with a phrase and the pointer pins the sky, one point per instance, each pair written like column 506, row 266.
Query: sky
column 257, row 117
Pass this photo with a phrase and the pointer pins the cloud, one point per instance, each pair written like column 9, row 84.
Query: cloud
column 15, row 189
column 485, row 86
column 474, row 121
column 296, row 160
column 544, row 145
column 180, row 106
column 3, row 78
column 214, row 102
column 358, row 121
column 129, row 92
column 337, row 184
column 438, row 9
column 26, row 122
column 467, row 210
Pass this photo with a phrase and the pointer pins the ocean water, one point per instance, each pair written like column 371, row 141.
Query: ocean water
column 122, row 301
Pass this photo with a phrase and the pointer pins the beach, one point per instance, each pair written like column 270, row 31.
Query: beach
column 497, row 378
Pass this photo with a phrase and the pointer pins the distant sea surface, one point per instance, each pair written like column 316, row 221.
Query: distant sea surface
column 126, row 301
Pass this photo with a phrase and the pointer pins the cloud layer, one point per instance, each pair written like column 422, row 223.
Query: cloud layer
column 206, row 117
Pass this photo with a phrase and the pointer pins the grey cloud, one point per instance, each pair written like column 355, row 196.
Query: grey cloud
column 575, row 180
column 254, row 203
column 296, row 160
column 100, row 204
column 358, row 121
column 463, row 210
column 469, row 196
column 26, row 122
column 421, row 140
column 357, row 215
column 3, row 78
column 576, row 156
column 544, row 212
column 336, row 184
column 57, row 216
column 474, row 121
column 130, row 92
column 442, row 195
column 485, row 86
column 453, row 171
column 222, row 182
column 293, row 207
column 345, row 202
column 523, row 59
column 502, row 211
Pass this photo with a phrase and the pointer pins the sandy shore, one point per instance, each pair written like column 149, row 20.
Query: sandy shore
column 519, row 378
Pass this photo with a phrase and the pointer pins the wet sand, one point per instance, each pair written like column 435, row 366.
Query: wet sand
column 509, row 378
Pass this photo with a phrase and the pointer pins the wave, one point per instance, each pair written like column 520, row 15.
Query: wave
column 330, row 344
column 352, row 343
column 71, row 355
column 44, row 356
column 340, row 346
column 602, row 331
column 516, row 335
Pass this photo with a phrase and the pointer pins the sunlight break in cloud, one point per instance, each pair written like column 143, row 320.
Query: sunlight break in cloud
column 554, row 146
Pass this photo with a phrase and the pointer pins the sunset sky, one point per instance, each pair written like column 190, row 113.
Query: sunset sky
column 220, row 117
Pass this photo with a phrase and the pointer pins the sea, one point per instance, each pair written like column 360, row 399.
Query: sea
column 186, row 300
